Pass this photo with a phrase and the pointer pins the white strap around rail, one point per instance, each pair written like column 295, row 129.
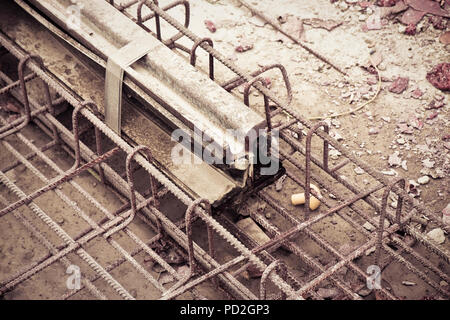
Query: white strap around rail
column 116, row 66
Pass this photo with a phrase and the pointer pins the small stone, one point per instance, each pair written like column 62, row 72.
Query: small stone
column 336, row 123
column 401, row 141
column 268, row 215
column 373, row 131
column 60, row 221
column 327, row 293
column 404, row 165
column 408, row 283
column 364, row 292
column 443, row 283
column 343, row 6
column 369, row 227
column 359, row 171
column 394, row 159
column 279, row 183
column 373, row 22
column 244, row 46
column 399, row 85
column 166, row 278
column 428, row 163
column 337, row 136
column 210, row 26
column 437, row 235
column 417, row 93
column 370, row 251
column 334, row 154
column 423, row 180
column 133, row 293
column 389, row 172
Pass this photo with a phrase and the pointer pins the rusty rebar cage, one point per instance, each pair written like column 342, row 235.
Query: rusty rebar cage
column 303, row 169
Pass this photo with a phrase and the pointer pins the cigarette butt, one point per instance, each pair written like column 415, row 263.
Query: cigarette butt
column 314, row 203
column 299, row 198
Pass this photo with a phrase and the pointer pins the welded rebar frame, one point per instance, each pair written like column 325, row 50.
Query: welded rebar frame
column 249, row 253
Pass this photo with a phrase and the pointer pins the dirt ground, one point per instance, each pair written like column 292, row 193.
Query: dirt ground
column 398, row 134
column 375, row 132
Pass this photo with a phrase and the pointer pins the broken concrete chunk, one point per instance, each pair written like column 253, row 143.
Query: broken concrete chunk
column 253, row 230
column 391, row 172
column 434, row 104
column 399, row 85
column 404, row 128
column 437, row 235
column 423, row 180
column 369, row 227
column 324, row 24
column 166, row 278
column 429, row 6
column 359, row 171
column 439, row 77
column 294, row 27
column 427, row 163
column 364, row 292
column 244, row 46
column 412, row 16
column 417, row 93
column 445, row 37
column 394, row 159
column 370, row 251
column 376, row 58
column 328, row 293
column 210, row 26
column 373, row 22
column 334, row 154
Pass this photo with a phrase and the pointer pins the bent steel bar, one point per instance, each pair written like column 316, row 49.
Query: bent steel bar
column 308, row 160
column 272, row 267
column 402, row 183
column 226, row 278
column 211, row 57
